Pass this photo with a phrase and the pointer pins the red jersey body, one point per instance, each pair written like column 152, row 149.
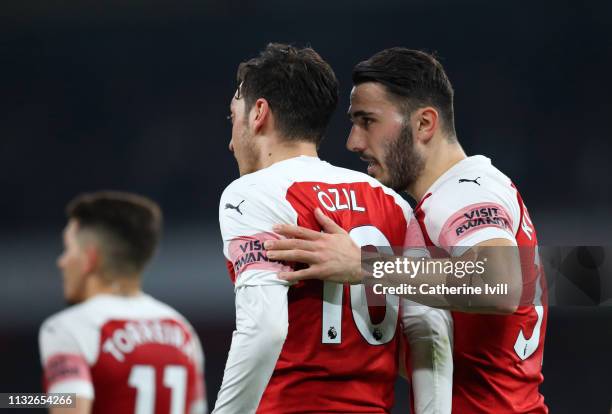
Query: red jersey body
column 339, row 355
column 128, row 354
column 497, row 358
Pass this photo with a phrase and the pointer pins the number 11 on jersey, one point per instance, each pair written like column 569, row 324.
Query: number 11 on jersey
column 142, row 377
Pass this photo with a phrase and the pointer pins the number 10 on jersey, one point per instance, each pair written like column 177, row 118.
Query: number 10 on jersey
column 374, row 334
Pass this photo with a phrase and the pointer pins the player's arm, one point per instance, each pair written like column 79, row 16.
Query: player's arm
column 502, row 268
column 64, row 367
column 498, row 262
column 261, row 329
column 261, row 299
column 333, row 256
column 429, row 333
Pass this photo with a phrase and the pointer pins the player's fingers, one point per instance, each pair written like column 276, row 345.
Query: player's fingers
column 300, row 256
column 297, row 275
column 289, row 244
column 297, row 232
column 327, row 224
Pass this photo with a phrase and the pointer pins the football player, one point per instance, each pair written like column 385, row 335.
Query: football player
column 118, row 349
column 403, row 126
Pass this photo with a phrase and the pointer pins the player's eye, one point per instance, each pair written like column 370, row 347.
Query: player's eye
column 366, row 122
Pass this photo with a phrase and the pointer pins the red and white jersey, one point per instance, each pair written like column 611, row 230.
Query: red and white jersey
column 128, row 354
column 497, row 358
column 339, row 355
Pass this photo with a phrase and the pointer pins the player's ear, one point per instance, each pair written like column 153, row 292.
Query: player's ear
column 93, row 259
column 424, row 124
column 260, row 114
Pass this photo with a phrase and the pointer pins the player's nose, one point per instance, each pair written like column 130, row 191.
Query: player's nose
column 355, row 141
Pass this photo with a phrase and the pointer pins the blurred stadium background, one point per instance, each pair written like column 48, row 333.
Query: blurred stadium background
column 133, row 95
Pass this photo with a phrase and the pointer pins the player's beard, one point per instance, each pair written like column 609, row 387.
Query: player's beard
column 403, row 163
column 249, row 158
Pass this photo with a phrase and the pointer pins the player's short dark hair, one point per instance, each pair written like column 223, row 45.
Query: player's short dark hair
column 300, row 87
column 413, row 77
column 129, row 226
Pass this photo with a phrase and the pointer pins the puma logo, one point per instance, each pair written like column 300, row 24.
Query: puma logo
column 465, row 180
column 237, row 208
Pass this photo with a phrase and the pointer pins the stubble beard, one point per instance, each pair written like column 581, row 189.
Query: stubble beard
column 403, row 163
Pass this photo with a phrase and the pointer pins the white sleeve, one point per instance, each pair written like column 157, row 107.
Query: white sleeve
column 65, row 367
column 429, row 332
column 261, row 329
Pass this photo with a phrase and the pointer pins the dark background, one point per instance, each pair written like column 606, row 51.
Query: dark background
column 133, row 95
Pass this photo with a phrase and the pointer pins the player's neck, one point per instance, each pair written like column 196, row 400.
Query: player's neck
column 119, row 286
column 274, row 152
column 446, row 155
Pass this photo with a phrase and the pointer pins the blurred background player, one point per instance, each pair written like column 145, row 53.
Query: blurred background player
column 118, row 349
column 403, row 126
column 311, row 347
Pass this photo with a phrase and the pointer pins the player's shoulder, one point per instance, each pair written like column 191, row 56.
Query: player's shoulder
column 258, row 187
column 471, row 182
column 80, row 319
column 72, row 330
column 69, row 319
column 252, row 204
column 242, row 185
column 256, row 201
column 276, row 176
